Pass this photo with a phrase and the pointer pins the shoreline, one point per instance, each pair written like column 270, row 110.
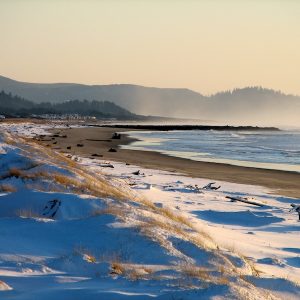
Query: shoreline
column 224, row 161
column 97, row 140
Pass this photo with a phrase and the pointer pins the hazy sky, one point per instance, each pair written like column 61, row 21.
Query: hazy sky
column 207, row 45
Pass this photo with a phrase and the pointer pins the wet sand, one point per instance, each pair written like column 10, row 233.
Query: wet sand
column 98, row 141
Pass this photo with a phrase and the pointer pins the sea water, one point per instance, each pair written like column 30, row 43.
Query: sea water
column 278, row 150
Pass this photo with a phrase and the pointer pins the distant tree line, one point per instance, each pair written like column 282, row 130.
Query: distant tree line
column 15, row 106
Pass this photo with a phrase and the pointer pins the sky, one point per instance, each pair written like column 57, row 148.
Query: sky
column 207, row 46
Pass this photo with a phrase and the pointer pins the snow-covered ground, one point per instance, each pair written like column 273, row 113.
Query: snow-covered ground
column 85, row 230
column 28, row 129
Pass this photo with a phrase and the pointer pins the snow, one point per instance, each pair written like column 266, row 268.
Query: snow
column 77, row 246
column 28, row 129
column 257, row 232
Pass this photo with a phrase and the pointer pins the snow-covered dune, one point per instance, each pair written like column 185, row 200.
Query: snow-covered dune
column 76, row 229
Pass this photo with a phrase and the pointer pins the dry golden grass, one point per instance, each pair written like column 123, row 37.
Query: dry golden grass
column 221, row 269
column 138, row 273
column 84, row 181
column 192, row 271
column 89, row 257
column 168, row 213
column 147, row 203
column 222, row 280
column 181, row 220
column 117, row 268
column 227, row 265
column 255, row 272
column 250, row 265
column 64, row 180
column 88, row 184
column 173, row 225
column 202, row 242
column 98, row 186
column 129, row 271
column 14, row 172
column 149, row 229
column 7, row 188
column 25, row 175
column 110, row 210
column 8, row 139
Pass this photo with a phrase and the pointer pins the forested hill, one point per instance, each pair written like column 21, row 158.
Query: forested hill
column 11, row 105
column 243, row 106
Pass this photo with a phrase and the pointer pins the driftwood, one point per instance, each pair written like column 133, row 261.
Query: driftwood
column 195, row 188
column 211, row 186
column 106, row 165
column 244, row 200
column 136, row 172
column 295, row 208
column 97, row 155
column 51, row 208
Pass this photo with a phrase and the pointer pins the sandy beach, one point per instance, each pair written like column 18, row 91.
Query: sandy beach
column 99, row 141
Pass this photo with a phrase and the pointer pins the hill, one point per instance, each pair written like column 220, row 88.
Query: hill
column 16, row 106
column 251, row 105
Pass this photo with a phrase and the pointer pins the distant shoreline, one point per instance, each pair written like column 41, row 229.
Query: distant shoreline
column 186, row 127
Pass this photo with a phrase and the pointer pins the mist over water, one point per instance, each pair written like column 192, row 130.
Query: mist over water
column 271, row 150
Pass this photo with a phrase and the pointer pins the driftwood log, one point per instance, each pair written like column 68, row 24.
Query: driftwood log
column 244, row 201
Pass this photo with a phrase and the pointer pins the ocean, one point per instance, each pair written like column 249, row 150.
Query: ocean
column 260, row 149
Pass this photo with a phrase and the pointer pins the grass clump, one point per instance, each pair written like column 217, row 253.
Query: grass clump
column 14, row 172
column 7, row 188
column 85, row 253
column 192, row 271
column 170, row 214
column 117, row 268
column 110, row 210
